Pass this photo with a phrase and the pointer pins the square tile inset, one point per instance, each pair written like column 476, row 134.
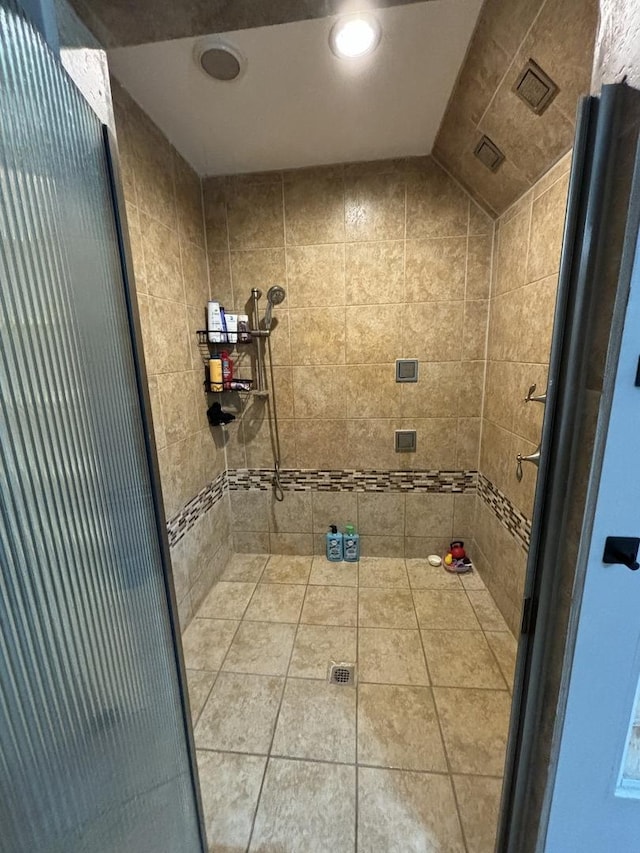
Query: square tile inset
column 391, row 656
column 401, row 811
column 330, row 605
column 261, row 648
column 226, row 600
column 245, row 567
column 383, row 572
column 422, row 575
column 199, row 683
column 461, row 659
column 205, row 642
column 324, row 573
column 317, row 720
column 386, row 608
column 284, row 568
column 479, row 803
column 275, row 602
column 306, row 807
column 446, row 609
column 230, row 786
column 316, row 645
column 474, row 726
column 398, row 727
column 240, row 714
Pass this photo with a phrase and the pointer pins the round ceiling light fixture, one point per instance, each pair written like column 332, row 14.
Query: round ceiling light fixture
column 354, row 36
column 219, row 60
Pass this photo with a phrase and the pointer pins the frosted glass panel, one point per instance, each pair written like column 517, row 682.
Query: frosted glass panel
column 93, row 745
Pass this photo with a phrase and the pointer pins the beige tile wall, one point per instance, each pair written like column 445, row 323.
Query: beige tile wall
column 557, row 34
column 164, row 213
column 380, row 261
column 522, row 305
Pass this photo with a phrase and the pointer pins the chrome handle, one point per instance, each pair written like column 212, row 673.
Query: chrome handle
column 541, row 398
column 534, row 458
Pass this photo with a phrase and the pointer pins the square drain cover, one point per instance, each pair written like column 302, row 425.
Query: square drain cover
column 342, row 673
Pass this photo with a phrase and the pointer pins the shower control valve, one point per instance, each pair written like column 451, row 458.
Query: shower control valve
column 534, row 458
column 541, row 398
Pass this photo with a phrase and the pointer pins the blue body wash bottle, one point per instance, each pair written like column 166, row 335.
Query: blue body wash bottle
column 334, row 545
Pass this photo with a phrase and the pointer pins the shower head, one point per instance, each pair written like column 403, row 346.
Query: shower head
column 275, row 295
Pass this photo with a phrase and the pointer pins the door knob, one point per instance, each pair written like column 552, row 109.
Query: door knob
column 534, row 458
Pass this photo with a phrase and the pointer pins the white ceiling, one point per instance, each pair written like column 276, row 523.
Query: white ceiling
column 299, row 105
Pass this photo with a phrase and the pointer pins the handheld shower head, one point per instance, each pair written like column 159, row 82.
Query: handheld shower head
column 275, row 295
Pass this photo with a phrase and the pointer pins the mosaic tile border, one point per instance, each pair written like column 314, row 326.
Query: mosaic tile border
column 300, row 480
column 196, row 508
column 514, row 521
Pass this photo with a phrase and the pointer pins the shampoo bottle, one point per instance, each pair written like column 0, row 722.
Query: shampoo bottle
column 351, row 543
column 334, row 545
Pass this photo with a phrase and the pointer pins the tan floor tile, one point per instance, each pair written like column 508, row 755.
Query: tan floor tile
column 240, row 713
column 333, row 574
column 317, row 720
column 474, row 726
column 275, row 602
column 472, row 580
column 386, row 608
column 486, row 610
column 245, row 567
column 230, row 786
column 199, row 683
column 404, row 812
column 505, row 648
column 422, row 575
column 383, row 572
column 461, row 659
column 446, row 609
column 391, row 656
column 306, row 807
column 205, row 643
column 398, row 727
column 317, row 645
column 283, row 568
column 479, row 804
column 330, row 605
column 226, row 600
column 261, row 648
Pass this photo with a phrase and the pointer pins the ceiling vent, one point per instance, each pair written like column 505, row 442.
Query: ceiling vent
column 489, row 154
column 535, row 88
column 219, row 60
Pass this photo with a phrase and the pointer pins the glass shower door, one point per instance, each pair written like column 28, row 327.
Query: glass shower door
column 94, row 752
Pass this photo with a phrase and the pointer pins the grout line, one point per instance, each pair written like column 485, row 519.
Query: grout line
column 437, row 715
column 275, row 723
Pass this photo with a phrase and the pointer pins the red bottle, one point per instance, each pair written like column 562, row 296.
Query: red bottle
column 456, row 549
column 227, row 370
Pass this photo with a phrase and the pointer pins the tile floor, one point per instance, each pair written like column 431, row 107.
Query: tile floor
column 409, row 761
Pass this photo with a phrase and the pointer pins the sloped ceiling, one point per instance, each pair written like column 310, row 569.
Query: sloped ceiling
column 559, row 35
column 117, row 23
column 299, row 105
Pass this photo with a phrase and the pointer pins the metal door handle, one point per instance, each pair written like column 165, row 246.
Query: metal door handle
column 534, row 458
column 541, row 398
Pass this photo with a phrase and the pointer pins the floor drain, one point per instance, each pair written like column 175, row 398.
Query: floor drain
column 342, row 673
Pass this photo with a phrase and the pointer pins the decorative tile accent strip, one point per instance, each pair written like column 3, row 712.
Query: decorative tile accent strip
column 197, row 506
column 516, row 523
column 300, row 480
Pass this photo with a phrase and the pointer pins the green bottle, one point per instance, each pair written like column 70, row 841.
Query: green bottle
column 351, row 544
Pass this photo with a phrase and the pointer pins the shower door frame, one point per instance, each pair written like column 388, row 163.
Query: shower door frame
column 135, row 331
column 597, row 183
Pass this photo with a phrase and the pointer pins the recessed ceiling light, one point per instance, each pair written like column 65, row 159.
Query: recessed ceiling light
column 354, row 36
